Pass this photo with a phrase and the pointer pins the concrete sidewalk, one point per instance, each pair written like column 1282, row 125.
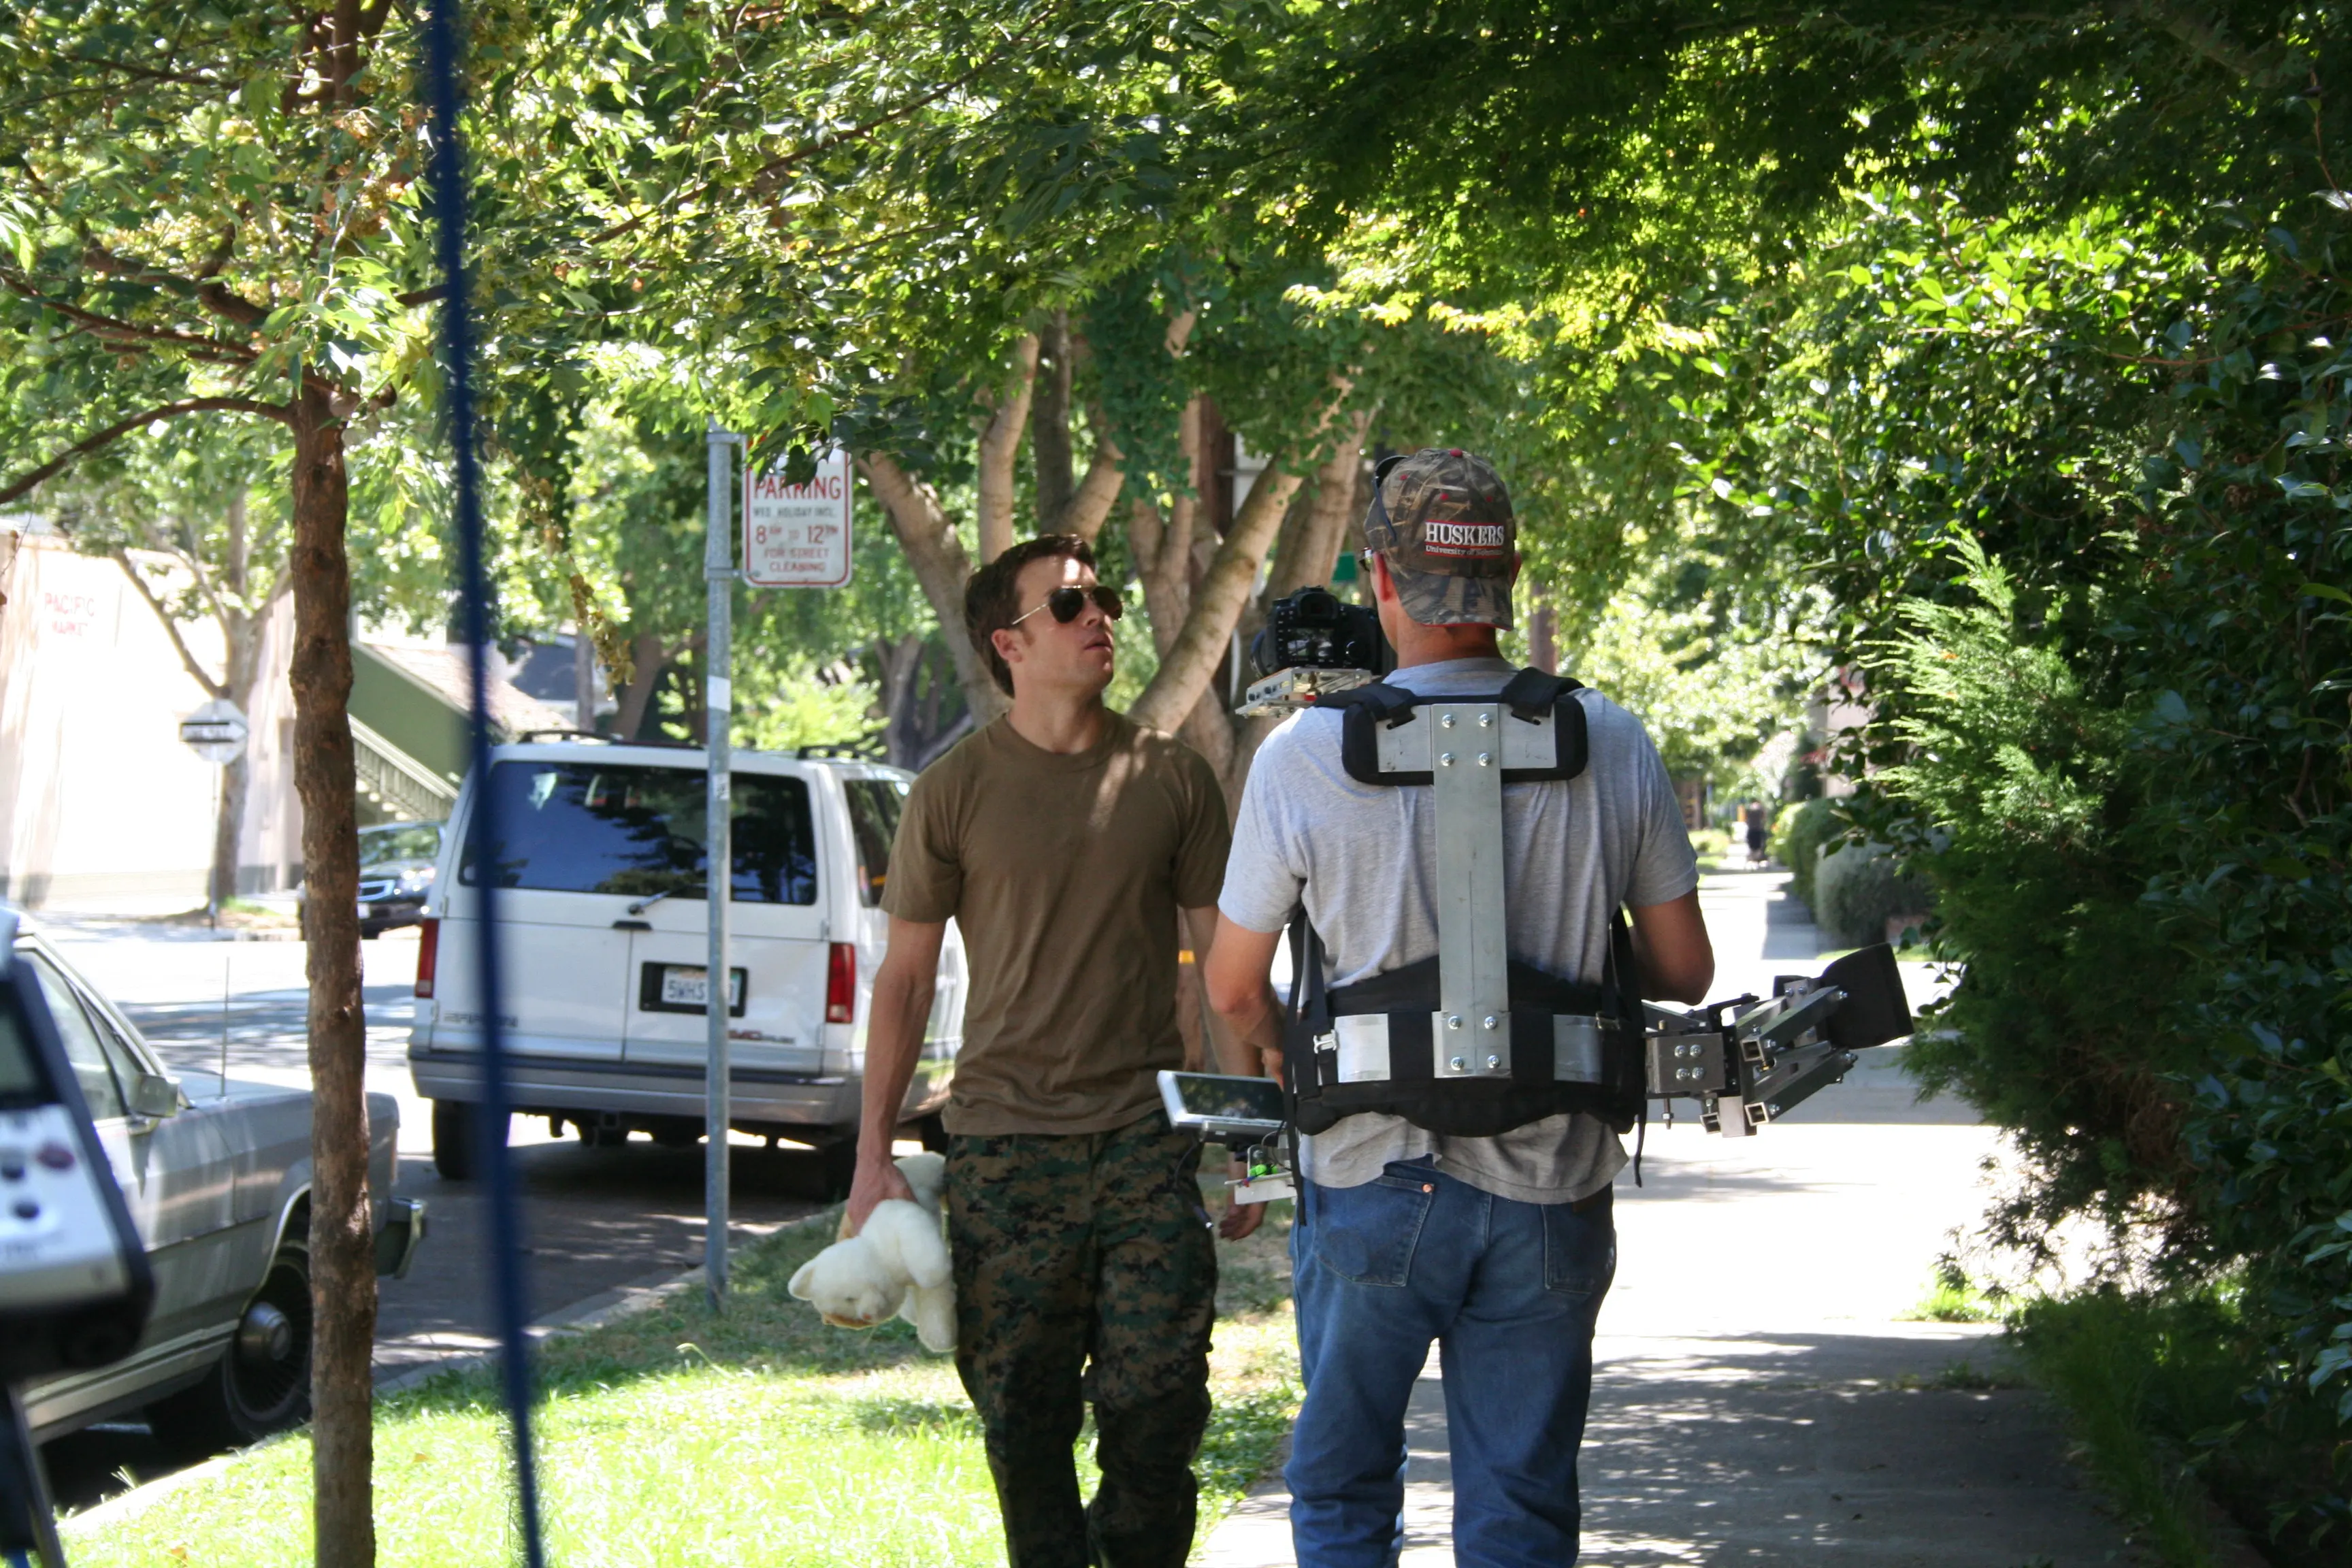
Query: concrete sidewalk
column 1757, row 1397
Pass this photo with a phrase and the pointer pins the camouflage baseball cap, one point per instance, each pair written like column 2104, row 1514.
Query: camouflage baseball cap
column 1443, row 520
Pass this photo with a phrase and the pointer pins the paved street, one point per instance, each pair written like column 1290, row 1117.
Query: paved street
column 595, row 1219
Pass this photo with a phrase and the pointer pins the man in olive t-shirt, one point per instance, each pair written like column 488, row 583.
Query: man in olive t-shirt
column 1063, row 839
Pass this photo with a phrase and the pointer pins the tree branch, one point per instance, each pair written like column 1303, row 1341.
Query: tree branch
column 999, row 448
column 1049, row 423
column 115, row 432
column 205, row 287
column 214, row 689
column 777, row 165
column 213, row 602
column 1224, row 590
column 1311, row 546
column 1090, row 507
column 2204, row 33
column 941, row 565
column 109, row 327
column 145, row 73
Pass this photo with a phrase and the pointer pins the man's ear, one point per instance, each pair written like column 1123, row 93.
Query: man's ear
column 1383, row 586
column 1009, row 645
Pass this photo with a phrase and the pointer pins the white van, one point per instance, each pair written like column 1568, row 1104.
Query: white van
column 604, row 950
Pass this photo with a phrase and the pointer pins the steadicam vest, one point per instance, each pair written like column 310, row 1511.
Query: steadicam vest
column 1469, row 1043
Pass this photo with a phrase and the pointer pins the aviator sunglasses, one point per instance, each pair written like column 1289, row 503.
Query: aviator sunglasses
column 1065, row 604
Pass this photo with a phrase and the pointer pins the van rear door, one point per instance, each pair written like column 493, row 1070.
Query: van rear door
column 586, row 849
column 776, row 939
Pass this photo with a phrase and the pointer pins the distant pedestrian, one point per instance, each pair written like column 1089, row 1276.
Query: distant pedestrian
column 1758, row 819
column 1062, row 840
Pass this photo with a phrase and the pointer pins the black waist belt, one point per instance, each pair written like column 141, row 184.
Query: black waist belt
column 1381, row 1045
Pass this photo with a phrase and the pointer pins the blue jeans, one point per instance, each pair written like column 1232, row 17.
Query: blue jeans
column 1509, row 1291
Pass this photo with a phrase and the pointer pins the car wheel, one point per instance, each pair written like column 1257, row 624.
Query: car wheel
column 933, row 1130
column 458, row 1143
column 262, row 1383
column 596, row 1135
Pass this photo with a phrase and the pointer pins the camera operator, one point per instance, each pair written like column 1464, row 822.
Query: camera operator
column 1063, row 839
column 1499, row 1248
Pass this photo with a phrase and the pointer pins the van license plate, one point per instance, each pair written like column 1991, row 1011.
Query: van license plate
column 690, row 987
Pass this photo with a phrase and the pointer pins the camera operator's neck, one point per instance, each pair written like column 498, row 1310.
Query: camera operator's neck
column 1417, row 644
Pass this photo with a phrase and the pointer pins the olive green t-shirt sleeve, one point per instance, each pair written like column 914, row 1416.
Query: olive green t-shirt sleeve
column 926, row 880
column 1208, row 839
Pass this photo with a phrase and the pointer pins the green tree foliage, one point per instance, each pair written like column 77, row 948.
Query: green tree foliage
column 2077, row 488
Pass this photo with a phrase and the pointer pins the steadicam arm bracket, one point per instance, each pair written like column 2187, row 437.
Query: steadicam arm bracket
column 1749, row 1059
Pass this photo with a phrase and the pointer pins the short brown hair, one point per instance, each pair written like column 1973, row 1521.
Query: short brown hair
column 989, row 605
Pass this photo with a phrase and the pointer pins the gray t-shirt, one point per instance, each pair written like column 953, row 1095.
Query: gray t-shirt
column 1363, row 858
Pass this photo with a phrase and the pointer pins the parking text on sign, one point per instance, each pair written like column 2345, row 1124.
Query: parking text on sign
column 797, row 535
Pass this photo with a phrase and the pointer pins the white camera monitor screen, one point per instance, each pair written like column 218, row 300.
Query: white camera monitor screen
column 1214, row 1103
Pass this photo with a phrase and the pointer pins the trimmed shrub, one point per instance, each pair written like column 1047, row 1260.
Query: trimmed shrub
column 1858, row 888
column 1797, row 839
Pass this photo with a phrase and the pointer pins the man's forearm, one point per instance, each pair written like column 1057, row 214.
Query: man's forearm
column 1241, row 992
column 894, row 1041
column 1255, row 1031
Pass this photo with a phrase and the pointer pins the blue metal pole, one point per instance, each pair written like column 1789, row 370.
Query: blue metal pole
column 482, row 827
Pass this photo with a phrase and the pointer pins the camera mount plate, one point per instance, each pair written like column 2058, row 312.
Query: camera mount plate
column 1299, row 687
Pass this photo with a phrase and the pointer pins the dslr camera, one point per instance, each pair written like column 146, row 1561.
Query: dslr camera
column 1313, row 642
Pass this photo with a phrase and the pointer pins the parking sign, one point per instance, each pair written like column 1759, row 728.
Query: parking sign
column 797, row 536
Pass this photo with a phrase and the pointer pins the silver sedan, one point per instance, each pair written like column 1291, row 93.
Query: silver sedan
column 216, row 1172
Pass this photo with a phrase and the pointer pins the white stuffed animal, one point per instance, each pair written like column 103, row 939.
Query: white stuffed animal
column 899, row 1263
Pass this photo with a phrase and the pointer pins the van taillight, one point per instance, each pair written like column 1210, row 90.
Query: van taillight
column 427, row 949
column 841, row 985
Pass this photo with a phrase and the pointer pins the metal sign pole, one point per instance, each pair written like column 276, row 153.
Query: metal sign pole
column 718, row 570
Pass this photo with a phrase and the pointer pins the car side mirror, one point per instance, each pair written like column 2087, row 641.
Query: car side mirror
column 152, row 1094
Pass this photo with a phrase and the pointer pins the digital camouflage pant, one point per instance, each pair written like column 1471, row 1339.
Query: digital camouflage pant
column 1085, row 1273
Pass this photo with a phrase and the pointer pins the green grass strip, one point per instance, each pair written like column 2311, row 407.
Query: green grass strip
column 760, row 1436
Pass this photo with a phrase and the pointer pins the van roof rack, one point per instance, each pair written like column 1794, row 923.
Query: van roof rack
column 837, row 751
column 528, row 736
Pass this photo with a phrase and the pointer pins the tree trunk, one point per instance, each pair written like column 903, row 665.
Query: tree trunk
column 1091, row 502
column 1200, row 647
column 1310, row 545
column 242, row 629
column 941, row 565
column 899, row 663
column 342, row 1252
column 648, row 662
column 1314, row 526
column 228, row 830
column 999, row 445
column 1163, row 544
column 1049, row 424
column 1543, row 638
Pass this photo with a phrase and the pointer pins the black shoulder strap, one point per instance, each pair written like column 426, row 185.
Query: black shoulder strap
column 1384, row 700
column 1364, row 710
column 1532, row 694
column 1529, row 694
